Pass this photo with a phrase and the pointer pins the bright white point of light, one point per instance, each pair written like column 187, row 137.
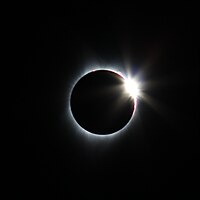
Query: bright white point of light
column 132, row 88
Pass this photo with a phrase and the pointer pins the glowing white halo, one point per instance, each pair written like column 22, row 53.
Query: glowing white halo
column 75, row 123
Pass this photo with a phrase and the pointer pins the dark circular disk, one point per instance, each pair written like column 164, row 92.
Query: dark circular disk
column 99, row 103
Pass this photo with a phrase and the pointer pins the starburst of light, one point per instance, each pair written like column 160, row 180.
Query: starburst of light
column 132, row 87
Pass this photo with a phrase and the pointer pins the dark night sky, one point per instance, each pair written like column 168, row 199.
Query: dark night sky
column 160, row 150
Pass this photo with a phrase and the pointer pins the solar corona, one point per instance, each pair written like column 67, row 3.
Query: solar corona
column 103, row 102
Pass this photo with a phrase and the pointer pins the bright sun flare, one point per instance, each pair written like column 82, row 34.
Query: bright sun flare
column 132, row 88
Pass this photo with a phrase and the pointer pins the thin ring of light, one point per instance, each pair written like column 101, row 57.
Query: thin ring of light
column 81, row 129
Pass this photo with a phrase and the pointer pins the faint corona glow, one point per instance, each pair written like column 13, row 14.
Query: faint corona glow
column 131, row 87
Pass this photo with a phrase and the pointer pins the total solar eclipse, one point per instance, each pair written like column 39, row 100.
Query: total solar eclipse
column 103, row 101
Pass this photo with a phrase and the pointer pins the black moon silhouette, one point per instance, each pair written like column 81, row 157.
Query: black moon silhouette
column 99, row 103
